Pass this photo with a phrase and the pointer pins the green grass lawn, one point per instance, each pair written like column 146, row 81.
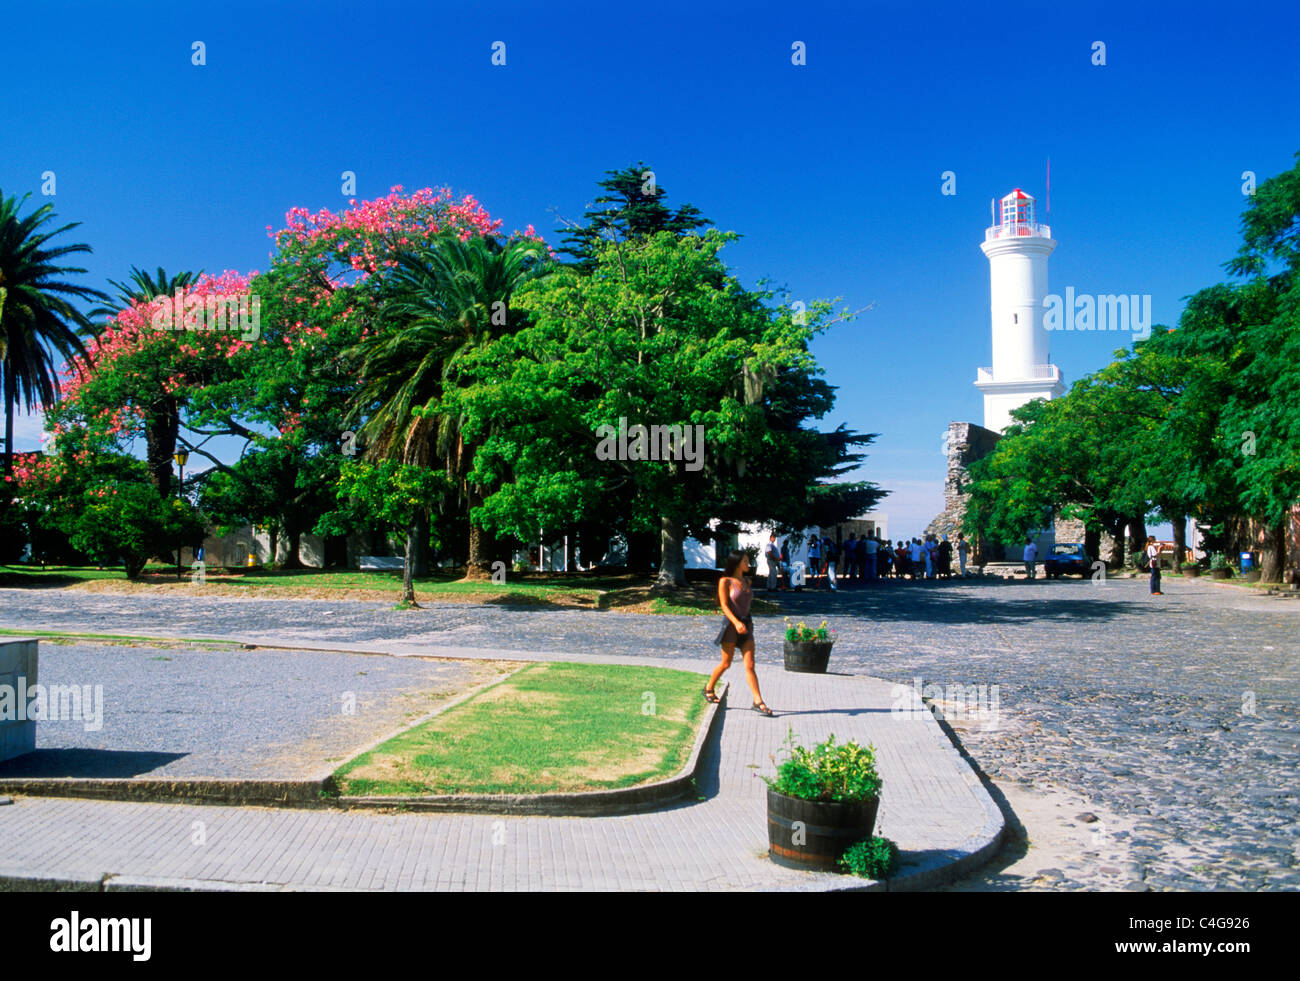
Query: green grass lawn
column 54, row 575
column 569, row 590
column 547, row 728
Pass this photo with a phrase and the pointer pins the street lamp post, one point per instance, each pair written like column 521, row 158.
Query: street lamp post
column 180, row 456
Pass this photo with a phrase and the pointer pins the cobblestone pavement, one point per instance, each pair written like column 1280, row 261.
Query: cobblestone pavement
column 1175, row 717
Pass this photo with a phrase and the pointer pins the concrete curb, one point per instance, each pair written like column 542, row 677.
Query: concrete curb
column 16, row 880
column 231, row 792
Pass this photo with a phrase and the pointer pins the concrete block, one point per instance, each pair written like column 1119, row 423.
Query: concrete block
column 18, row 662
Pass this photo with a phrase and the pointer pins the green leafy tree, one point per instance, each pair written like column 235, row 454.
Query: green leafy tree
column 101, row 502
column 128, row 521
column 657, row 334
column 633, row 207
column 391, row 493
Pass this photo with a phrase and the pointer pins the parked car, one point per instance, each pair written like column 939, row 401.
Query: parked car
column 1068, row 559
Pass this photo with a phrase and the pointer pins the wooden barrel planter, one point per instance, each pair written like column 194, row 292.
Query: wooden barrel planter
column 811, row 834
column 808, row 656
column 1220, row 573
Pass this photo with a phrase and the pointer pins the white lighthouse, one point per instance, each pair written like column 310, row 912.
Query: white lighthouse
column 1017, row 248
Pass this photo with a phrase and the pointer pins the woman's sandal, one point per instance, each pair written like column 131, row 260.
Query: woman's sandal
column 762, row 708
column 711, row 696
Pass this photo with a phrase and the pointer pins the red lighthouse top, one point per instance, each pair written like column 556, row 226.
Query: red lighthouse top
column 1018, row 218
column 1018, row 208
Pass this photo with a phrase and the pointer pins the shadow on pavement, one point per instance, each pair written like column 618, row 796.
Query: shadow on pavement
column 924, row 603
column 86, row 763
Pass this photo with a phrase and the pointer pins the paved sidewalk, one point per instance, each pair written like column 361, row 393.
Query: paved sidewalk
column 932, row 805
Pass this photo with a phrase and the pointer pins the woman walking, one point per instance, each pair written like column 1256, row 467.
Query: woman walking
column 733, row 597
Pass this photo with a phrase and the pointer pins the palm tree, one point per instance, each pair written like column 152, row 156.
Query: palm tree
column 36, row 319
column 441, row 302
column 140, row 288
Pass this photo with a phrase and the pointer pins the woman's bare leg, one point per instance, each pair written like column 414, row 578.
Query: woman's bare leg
column 750, row 675
column 728, row 649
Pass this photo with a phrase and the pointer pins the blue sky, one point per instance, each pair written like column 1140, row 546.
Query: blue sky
column 831, row 170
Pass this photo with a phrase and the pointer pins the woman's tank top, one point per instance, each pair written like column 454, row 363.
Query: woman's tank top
column 740, row 597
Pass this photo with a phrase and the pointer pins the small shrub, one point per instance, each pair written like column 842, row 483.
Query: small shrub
column 1218, row 561
column 801, row 632
column 873, row 858
column 827, row 772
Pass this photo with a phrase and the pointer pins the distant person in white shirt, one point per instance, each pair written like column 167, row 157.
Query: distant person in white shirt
column 1031, row 556
column 773, row 556
column 1153, row 556
column 962, row 547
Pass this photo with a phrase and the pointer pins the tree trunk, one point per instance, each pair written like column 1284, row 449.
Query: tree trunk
column 408, row 567
column 1117, row 557
column 274, row 534
column 160, row 443
column 1180, row 542
column 1137, row 534
column 1092, row 543
column 10, row 396
column 672, row 565
column 422, row 544
column 481, row 543
column 1272, row 553
column 292, row 561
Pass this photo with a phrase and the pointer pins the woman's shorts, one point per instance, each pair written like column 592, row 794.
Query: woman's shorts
column 728, row 634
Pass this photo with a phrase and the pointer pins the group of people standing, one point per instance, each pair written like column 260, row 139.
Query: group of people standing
column 864, row 559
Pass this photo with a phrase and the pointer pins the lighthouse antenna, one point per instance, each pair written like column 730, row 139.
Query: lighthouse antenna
column 1049, row 185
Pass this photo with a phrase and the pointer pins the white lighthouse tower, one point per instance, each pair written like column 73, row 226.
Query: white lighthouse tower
column 1017, row 248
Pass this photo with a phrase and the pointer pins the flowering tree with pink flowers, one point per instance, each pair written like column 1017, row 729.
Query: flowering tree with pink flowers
column 322, row 298
column 173, row 379
column 144, row 369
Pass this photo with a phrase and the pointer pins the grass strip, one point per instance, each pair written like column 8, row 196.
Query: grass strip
column 550, row 728
column 120, row 638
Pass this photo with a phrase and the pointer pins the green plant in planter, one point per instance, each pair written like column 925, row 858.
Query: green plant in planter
column 873, row 858
column 802, row 633
column 1218, row 561
column 827, row 772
